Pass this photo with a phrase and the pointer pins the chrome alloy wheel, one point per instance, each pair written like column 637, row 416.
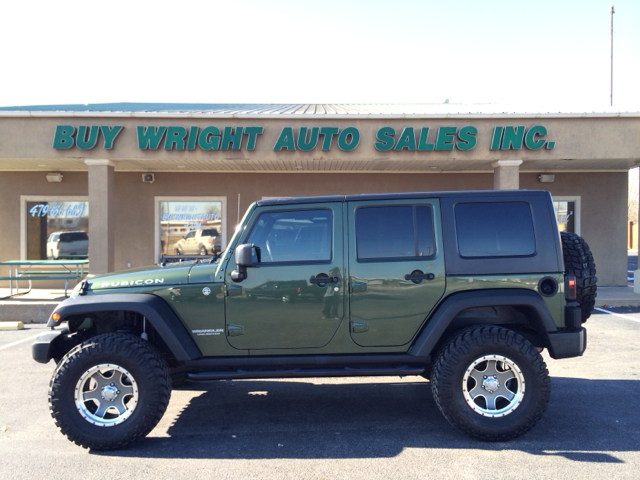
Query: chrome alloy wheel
column 106, row 395
column 493, row 386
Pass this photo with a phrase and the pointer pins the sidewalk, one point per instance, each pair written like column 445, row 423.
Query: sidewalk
column 37, row 305
column 34, row 307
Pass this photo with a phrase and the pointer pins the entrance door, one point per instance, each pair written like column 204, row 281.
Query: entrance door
column 396, row 266
column 293, row 297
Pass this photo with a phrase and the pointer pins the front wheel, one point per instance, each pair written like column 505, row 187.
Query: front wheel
column 110, row 391
column 491, row 383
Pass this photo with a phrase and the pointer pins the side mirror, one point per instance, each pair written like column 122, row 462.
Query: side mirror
column 244, row 259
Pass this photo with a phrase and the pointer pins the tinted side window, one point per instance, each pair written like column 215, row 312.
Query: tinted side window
column 73, row 236
column 495, row 229
column 403, row 231
column 293, row 236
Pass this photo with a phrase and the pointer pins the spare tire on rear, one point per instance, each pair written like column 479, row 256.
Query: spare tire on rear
column 578, row 260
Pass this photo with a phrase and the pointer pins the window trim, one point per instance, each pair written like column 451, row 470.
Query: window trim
column 577, row 200
column 294, row 262
column 24, row 199
column 156, row 216
column 415, row 232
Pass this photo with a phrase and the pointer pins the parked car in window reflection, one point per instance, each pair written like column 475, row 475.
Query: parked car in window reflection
column 205, row 241
column 73, row 244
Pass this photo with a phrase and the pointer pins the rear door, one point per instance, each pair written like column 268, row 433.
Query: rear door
column 396, row 268
column 293, row 297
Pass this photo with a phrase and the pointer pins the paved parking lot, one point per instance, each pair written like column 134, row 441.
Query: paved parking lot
column 342, row 428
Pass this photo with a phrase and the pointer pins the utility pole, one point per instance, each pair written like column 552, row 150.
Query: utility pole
column 611, row 92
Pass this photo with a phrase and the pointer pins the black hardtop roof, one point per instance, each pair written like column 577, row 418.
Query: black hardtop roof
column 458, row 194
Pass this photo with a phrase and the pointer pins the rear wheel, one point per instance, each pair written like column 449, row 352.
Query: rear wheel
column 109, row 391
column 491, row 383
column 578, row 260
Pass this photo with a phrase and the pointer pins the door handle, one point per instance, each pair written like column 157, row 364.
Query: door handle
column 324, row 280
column 417, row 276
column 357, row 287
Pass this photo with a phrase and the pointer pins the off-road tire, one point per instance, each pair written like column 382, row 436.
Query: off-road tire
column 578, row 260
column 453, row 364
column 121, row 353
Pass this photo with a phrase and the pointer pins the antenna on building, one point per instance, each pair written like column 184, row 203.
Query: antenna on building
column 611, row 92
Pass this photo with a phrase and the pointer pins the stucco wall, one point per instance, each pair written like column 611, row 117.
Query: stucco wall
column 603, row 202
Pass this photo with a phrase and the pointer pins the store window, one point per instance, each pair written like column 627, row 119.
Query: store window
column 566, row 215
column 56, row 229
column 191, row 227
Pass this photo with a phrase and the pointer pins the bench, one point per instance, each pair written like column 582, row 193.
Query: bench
column 68, row 270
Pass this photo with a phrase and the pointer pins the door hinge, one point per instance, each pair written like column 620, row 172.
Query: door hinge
column 233, row 290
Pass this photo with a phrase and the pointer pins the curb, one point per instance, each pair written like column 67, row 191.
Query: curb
column 11, row 326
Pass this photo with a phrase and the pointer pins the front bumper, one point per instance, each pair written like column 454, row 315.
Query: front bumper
column 50, row 345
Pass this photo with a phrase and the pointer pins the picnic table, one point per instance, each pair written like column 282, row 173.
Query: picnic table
column 29, row 270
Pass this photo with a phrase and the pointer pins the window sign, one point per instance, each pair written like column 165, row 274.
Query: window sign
column 190, row 228
column 565, row 214
column 57, row 230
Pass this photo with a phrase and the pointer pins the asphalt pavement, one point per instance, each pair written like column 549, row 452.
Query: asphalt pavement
column 351, row 428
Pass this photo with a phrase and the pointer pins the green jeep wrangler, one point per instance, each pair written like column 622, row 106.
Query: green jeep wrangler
column 463, row 288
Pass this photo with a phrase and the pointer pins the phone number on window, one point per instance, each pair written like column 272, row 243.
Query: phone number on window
column 58, row 210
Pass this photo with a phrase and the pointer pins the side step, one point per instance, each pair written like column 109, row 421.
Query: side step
column 400, row 370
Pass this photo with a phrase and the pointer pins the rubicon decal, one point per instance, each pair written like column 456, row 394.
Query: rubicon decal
column 132, row 283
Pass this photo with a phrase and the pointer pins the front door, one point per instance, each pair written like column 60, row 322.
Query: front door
column 294, row 295
column 396, row 266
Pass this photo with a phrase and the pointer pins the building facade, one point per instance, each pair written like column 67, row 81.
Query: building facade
column 125, row 183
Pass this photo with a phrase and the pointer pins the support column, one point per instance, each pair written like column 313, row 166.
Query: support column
column 506, row 174
column 636, row 274
column 101, row 216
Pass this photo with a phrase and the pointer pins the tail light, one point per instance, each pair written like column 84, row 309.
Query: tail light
column 570, row 287
column 212, row 240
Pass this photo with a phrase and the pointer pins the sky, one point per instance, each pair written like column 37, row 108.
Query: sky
column 543, row 54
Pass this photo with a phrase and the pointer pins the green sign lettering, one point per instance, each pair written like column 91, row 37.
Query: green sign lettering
column 446, row 138
column 467, row 137
column 149, row 138
column 423, row 144
column 209, row 138
column 407, row 140
column 87, row 137
column 285, row 140
column 348, row 139
column 328, row 133
column 305, row 145
column 512, row 138
column 530, row 140
column 252, row 136
column 63, row 138
column 110, row 134
column 175, row 138
column 385, row 139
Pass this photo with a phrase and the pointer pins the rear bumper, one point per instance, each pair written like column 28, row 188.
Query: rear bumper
column 567, row 343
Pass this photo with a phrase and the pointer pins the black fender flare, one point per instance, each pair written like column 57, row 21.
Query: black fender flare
column 163, row 319
column 451, row 306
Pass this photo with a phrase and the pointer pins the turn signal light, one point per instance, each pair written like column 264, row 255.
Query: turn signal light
column 570, row 287
column 55, row 316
